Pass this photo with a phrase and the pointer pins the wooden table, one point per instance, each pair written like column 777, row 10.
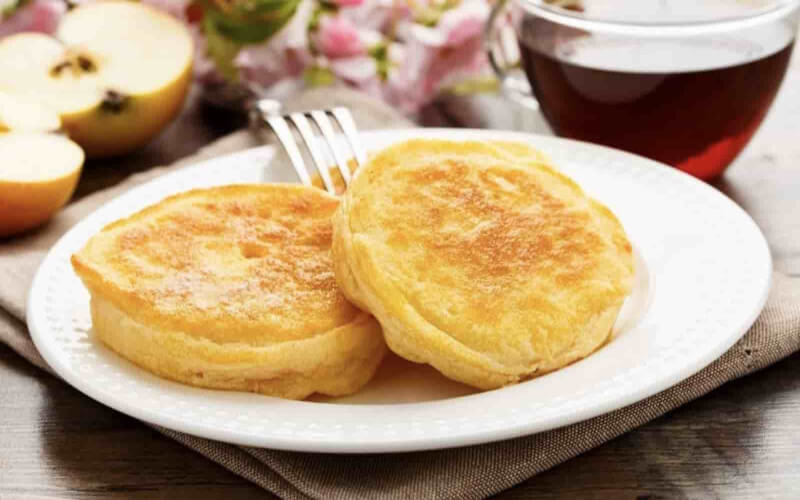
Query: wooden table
column 741, row 441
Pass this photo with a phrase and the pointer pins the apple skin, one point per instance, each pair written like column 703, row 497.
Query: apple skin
column 25, row 204
column 103, row 133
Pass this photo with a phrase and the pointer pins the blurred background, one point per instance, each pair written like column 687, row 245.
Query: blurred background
column 684, row 82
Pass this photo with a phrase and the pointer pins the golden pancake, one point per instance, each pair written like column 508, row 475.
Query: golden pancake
column 480, row 259
column 231, row 288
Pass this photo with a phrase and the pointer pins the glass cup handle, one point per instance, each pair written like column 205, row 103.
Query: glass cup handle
column 498, row 42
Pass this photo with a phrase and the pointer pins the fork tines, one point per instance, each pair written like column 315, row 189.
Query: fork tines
column 281, row 126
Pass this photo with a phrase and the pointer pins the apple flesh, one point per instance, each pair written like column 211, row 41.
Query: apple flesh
column 20, row 114
column 116, row 73
column 38, row 174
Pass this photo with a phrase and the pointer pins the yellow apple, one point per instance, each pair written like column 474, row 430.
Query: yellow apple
column 38, row 173
column 116, row 73
column 20, row 114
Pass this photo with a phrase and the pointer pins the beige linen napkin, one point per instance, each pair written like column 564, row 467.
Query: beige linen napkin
column 462, row 473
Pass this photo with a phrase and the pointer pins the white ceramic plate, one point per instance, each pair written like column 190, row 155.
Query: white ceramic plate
column 703, row 273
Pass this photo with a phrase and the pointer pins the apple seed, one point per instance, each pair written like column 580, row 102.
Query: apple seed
column 86, row 64
column 78, row 63
column 58, row 68
column 114, row 102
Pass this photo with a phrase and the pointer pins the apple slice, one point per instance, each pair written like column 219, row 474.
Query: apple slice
column 20, row 114
column 38, row 174
column 116, row 73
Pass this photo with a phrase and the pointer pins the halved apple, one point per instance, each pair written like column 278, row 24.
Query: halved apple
column 38, row 174
column 20, row 114
column 117, row 72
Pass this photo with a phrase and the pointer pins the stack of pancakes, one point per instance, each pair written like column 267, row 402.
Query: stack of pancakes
column 477, row 258
column 231, row 288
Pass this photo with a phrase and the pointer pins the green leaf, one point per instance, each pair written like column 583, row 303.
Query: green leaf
column 10, row 9
column 319, row 10
column 265, row 9
column 316, row 76
column 221, row 50
column 475, row 85
column 429, row 14
column 380, row 52
column 252, row 21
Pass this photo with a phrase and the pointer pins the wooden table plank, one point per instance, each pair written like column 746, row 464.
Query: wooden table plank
column 56, row 442
column 739, row 442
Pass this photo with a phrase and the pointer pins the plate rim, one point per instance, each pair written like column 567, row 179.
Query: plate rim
column 409, row 443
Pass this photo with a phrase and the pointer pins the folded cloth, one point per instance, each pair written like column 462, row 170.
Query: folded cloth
column 463, row 473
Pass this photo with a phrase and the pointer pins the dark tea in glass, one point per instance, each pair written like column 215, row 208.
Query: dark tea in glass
column 689, row 92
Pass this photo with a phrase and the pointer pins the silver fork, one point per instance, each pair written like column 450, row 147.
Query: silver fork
column 301, row 121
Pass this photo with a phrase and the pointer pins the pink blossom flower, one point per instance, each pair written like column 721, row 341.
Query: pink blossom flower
column 39, row 15
column 176, row 8
column 338, row 37
column 347, row 3
column 431, row 54
column 360, row 72
column 464, row 22
column 355, row 70
column 455, row 26
column 378, row 15
column 426, row 46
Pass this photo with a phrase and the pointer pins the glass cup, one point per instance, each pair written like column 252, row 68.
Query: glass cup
column 685, row 82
